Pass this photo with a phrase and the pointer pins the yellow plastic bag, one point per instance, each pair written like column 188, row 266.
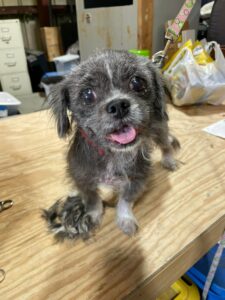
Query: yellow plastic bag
column 199, row 53
column 193, row 77
column 187, row 45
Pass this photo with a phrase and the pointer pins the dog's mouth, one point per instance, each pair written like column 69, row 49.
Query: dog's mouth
column 124, row 136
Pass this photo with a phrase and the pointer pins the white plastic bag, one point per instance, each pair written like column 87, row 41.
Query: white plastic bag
column 191, row 83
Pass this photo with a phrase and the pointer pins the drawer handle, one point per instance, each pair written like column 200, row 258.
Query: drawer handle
column 11, row 64
column 16, row 87
column 6, row 38
column 5, row 29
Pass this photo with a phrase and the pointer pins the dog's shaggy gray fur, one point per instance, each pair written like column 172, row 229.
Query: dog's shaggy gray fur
column 111, row 93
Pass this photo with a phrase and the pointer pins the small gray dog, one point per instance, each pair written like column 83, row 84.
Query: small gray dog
column 117, row 101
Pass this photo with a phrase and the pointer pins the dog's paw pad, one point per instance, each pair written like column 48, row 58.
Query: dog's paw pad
column 128, row 225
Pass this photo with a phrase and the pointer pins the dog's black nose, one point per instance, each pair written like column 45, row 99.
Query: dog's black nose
column 118, row 108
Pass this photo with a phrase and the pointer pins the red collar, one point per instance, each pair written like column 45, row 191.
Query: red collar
column 100, row 150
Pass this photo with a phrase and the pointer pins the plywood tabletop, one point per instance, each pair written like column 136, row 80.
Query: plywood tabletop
column 181, row 216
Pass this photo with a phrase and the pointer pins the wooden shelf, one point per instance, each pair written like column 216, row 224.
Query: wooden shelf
column 22, row 10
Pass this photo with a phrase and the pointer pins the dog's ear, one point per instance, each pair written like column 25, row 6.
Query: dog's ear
column 60, row 103
column 160, row 95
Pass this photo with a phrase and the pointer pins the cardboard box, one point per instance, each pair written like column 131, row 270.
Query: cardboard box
column 188, row 35
column 52, row 42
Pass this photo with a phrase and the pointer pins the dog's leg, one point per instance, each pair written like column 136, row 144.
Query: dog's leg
column 93, row 204
column 168, row 144
column 125, row 218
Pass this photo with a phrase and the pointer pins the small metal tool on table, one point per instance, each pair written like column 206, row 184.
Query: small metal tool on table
column 4, row 204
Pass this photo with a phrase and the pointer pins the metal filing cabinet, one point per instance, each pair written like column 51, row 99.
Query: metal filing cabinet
column 10, row 2
column 13, row 66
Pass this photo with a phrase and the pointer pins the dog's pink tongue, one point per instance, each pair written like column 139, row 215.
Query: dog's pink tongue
column 124, row 136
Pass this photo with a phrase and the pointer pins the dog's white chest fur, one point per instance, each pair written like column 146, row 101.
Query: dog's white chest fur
column 115, row 173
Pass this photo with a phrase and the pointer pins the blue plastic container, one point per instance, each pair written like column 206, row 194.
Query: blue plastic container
column 3, row 111
column 199, row 271
column 52, row 74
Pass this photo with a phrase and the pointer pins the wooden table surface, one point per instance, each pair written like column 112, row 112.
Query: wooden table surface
column 181, row 216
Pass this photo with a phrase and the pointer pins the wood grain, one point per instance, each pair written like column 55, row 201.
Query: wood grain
column 145, row 24
column 181, row 216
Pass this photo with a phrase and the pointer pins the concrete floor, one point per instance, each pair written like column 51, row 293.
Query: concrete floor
column 32, row 103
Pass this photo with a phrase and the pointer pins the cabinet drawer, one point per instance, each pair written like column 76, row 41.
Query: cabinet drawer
column 59, row 2
column 12, row 60
column 16, row 84
column 10, row 34
column 10, row 2
column 29, row 2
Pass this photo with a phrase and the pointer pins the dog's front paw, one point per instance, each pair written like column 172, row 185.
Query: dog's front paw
column 95, row 216
column 70, row 220
column 126, row 220
column 127, row 225
column 168, row 162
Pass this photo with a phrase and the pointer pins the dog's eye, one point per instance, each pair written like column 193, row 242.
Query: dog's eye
column 89, row 96
column 137, row 84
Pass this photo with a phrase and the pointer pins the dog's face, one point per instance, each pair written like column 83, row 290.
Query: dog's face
column 114, row 96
